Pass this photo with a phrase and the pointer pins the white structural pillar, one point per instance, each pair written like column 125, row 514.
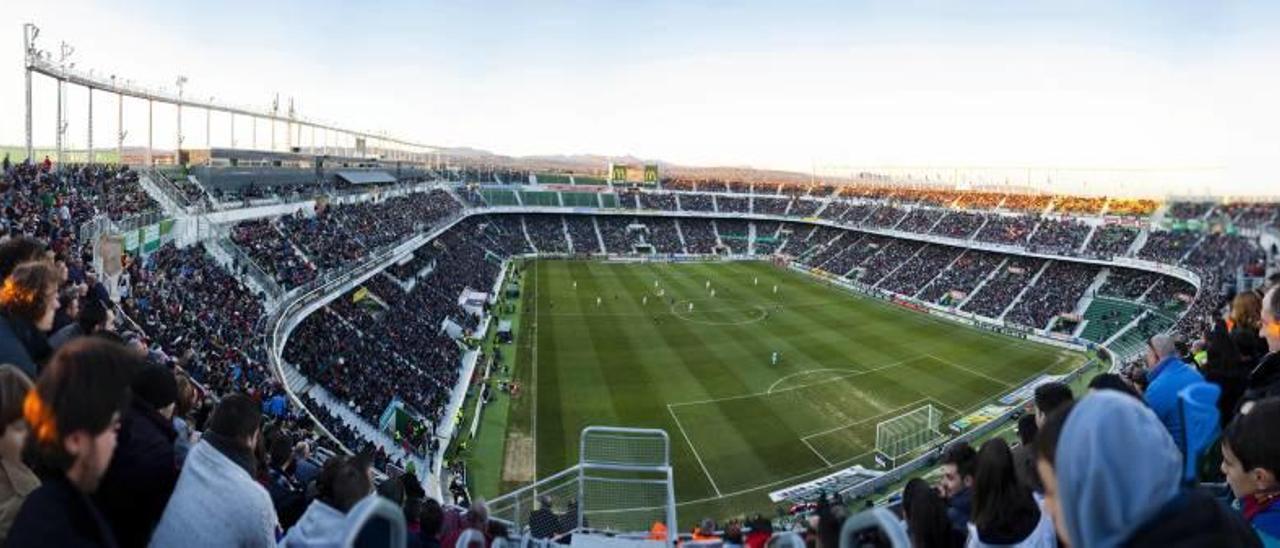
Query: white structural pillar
column 120, row 127
column 28, row 35
column 151, row 107
column 61, row 126
column 89, row 123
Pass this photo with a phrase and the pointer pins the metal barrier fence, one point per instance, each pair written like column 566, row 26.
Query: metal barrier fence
column 623, row 483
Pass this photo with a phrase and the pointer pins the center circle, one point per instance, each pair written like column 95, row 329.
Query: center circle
column 710, row 311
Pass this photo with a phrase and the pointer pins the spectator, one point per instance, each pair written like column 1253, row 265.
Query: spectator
column 28, row 300
column 68, row 309
column 925, row 514
column 287, row 494
column 1243, row 323
column 432, row 519
column 303, row 469
column 458, row 526
column 342, row 483
column 1264, row 379
column 16, row 480
column 95, row 316
column 543, row 522
column 1099, row 495
column 413, row 522
column 184, row 436
column 1112, row 381
column 21, row 249
column 1167, row 375
column 217, row 499
column 761, row 532
column 74, row 413
column 1050, row 397
column 1005, row 513
column 1251, row 462
column 956, row 486
column 1024, row 457
column 142, row 475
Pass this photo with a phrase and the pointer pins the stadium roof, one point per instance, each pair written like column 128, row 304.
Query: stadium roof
column 362, row 177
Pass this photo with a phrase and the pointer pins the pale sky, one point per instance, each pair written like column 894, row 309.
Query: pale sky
column 1188, row 87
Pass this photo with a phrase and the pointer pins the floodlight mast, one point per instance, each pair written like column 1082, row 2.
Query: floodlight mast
column 64, row 72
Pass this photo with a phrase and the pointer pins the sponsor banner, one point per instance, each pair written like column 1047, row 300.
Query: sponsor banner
column 831, row 483
column 980, row 417
column 1026, row 391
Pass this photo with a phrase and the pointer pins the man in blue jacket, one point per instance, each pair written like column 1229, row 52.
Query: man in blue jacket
column 1167, row 375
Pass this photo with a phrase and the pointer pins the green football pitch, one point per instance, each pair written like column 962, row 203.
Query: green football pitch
column 648, row 345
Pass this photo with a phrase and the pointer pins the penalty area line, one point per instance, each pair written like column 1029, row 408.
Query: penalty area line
column 711, row 480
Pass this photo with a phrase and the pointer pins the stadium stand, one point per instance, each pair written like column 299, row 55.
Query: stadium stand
column 696, row 202
column 1058, row 236
column 582, row 234
column 959, row 224
column 1007, row 229
column 393, row 338
column 699, row 235
column 912, row 276
column 1109, row 240
column 1056, row 292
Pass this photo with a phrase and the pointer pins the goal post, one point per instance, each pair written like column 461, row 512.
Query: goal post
column 906, row 434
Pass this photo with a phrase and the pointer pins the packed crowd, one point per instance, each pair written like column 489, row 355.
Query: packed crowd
column 959, row 224
column 1000, row 290
column 1058, row 236
column 731, row 204
column 269, row 249
column 1007, row 229
column 1110, row 240
column 914, row 274
column 767, row 206
column 699, row 235
column 582, row 231
column 1056, row 292
column 697, row 202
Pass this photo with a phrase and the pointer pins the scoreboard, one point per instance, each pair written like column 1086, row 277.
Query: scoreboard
column 640, row 175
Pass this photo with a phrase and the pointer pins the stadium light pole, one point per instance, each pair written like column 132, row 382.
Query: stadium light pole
column 177, row 151
column 65, row 51
column 29, row 34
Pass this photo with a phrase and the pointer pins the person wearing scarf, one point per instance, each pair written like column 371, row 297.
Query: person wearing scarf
column 1251, row 462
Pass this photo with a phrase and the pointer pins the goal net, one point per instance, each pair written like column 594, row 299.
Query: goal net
column 906, row 434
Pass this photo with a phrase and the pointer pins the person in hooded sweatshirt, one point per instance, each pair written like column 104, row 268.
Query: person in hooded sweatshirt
column 1112, row 473
column 342, row 484
column 1251, row 463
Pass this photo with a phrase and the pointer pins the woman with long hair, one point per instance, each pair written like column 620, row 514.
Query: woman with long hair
column 1242, row 323
column 1005, row 513
column 926, row 515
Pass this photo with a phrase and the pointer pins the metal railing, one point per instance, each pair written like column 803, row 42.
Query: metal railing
column 623, row 483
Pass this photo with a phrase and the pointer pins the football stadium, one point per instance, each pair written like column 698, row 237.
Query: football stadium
column 707, row 316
